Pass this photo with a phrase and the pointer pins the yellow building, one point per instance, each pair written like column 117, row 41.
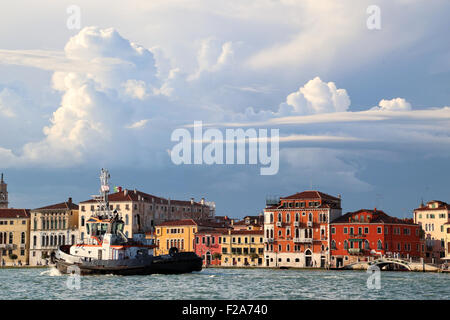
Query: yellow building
column 176, row 233
column 14, row 236
column 242, row 248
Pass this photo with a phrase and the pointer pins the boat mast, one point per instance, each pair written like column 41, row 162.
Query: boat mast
column 104, row 190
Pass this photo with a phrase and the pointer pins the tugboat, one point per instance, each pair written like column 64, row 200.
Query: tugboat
column 109, row 251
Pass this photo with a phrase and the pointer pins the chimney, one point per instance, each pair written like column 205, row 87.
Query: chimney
column 70, row 201
column 202, row 201
column 125, row 192
column 134, row 191
column 192, row 201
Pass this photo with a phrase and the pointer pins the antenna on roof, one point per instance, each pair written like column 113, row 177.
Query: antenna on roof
column 378, row 199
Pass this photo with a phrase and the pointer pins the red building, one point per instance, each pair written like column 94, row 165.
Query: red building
column 364, row 234
column 207, row 245
column 296, row 229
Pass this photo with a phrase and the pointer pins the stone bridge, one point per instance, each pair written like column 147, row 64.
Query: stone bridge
column 382, row 263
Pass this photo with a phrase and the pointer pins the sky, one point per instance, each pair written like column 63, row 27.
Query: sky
column 362, row 112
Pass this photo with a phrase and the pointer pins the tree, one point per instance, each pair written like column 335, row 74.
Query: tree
column 217, row 256
column 13, row 256
column 254, row 256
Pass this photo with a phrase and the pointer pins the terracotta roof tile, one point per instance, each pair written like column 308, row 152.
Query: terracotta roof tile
column 14, row 213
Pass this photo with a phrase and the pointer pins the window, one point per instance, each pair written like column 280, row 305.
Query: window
column 379, row 245
column 366, row 230
column 345, row 244
column 345, row 230
column 333, row 230
column 82, row 221
column 379, row 230
column 333, row 245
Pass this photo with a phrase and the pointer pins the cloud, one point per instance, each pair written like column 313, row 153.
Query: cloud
column 397, row 104
column 316, row 97
column 138, row 124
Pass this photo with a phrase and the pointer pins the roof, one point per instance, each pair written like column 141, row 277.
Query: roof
column 131, row 195
column 244, row 232
column 441, row 206
column 378, row 216
column 61, row 206
column 136, row 195
column 14, row 213
column 184, row 222
column 310, row 195
column 193, row 222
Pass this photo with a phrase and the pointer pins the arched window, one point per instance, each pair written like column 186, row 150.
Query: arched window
column 22, row 238
column 366, row 245
column 310, row 217
column 11, row 236
column 271, row 218
column 345, row 244
column 333, row 245
column 288, row 217
column 379, row 245
column 271, row 233
column 280, row 217
column 1, row 237
column 297, row 233
column 35, row 223
column 297, row 217
column 267, row 233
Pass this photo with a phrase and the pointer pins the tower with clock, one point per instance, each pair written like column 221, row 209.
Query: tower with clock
column 3, row 194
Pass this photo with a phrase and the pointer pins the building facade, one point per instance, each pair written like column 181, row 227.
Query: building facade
column 3, row 194
column 432, row 217
column 296, row 229
column 141, row 211
column 368, row 234
column 242, row 248
column 52, row 226
column 208, row 245
column 175, row 233
column 14, row 236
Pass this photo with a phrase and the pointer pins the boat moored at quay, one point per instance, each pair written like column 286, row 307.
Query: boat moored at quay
column 109, row 251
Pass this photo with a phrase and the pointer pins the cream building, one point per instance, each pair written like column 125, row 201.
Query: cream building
column 52, row 226
column 14, row 236
column 141, row 211
column 432, row 217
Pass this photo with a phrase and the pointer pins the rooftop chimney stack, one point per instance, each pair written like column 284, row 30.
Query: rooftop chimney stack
column 70, row 200
column 192, row 201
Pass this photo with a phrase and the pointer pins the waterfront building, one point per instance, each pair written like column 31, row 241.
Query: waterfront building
column 433, row 217
column 368, row 234
column 242, row 248
column 175, row 233
column 296, row 229
column 52, row 226
column 141, row 211
column 208, row 245
column 14, row 236
column 3, row 193
column 180, row 234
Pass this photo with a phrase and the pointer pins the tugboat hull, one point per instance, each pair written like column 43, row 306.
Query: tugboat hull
column 183, row 262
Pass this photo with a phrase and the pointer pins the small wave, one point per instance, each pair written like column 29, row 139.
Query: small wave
column 52, row 272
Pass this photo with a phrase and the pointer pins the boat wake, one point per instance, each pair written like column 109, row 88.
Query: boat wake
column 51, row 272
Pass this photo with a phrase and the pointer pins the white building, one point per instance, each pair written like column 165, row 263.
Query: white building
column 52, row 226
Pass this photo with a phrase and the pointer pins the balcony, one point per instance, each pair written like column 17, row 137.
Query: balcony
column 279, row 224
column 8, row 246
column 268, row 240
column 296, row 223
column 309, row 224
column 357, row 236
column 355, row 251
column 303, row 240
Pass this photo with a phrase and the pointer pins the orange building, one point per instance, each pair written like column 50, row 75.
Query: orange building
column 296, row 229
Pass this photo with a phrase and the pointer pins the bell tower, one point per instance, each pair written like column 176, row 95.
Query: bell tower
column 3, row 194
